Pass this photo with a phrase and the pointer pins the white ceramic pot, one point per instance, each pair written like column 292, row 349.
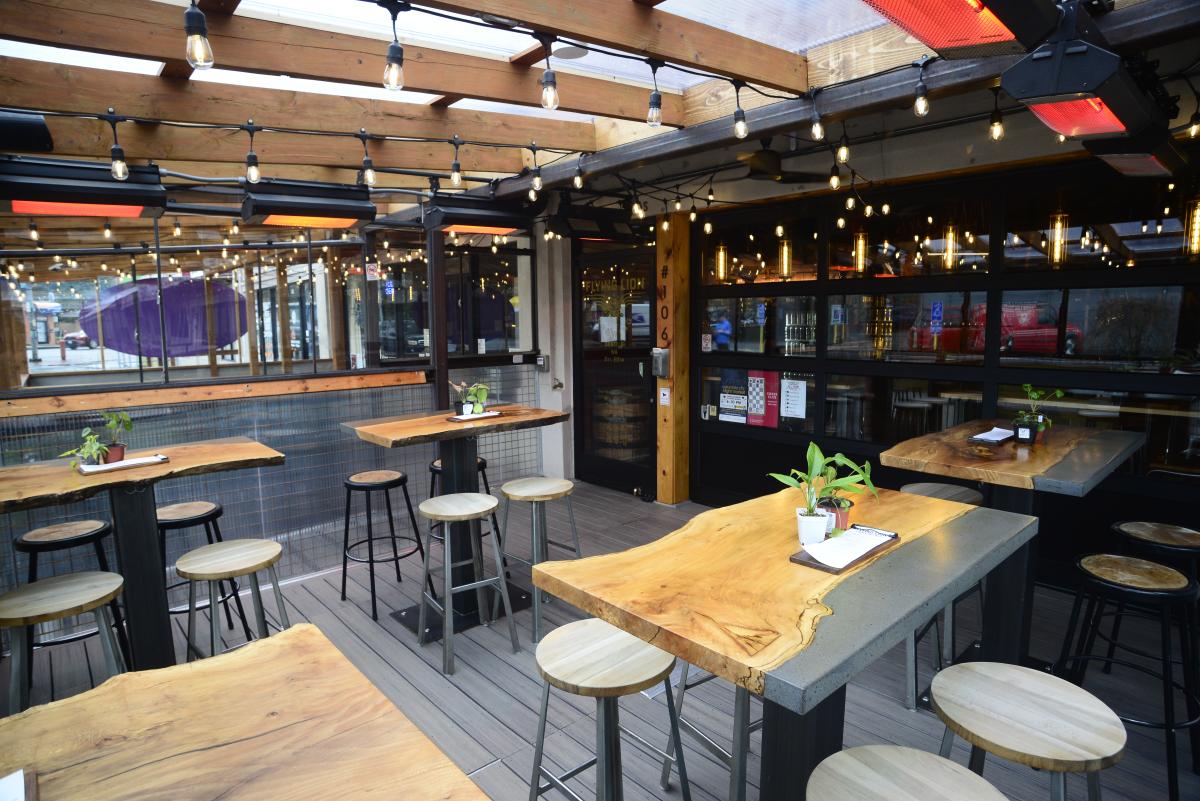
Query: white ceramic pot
column 468, row 408
column 811, row 528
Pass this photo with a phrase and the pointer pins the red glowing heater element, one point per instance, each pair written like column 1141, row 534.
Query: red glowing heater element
column 297, row 221
column 479, row 229
column 951, row 25
column 75, row 209
column 1089, row 116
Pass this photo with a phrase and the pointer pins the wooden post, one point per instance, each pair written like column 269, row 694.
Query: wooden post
column 14, row 365
column 335, row 299
column 251, row 320
column 285, row 324
column 210, row 320
column 671, row 319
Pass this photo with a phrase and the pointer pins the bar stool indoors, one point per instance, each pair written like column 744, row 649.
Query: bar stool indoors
column 595, row 659
column 944, row 653
column 537, row 491
column 63, row 537
column 378, row 481
column 1028, row 717
column 1172, row 597
column 435, row 472
column 743, row 727
column 56, row 598
column 228, row 560
column 895, row 773
column 471, row 507
column 205, row 514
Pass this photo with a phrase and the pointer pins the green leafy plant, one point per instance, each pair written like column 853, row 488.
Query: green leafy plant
column 471, row 393
column 822, row 481
column 90, row 451
column 116, row 423
column 1036, row 397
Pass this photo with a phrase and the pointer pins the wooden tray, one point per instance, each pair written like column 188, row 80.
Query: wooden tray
column 801, row 557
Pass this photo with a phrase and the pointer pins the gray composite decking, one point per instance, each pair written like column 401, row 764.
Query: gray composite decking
column 485, row 715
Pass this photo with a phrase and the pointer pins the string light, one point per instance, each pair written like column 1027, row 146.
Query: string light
column 843, row 148
column 253, row 173
column 368, row 175
column 1194, row 124
column 886, row 209
column 692, row 213
column 393, row 70
column 817, row 130
column 841, row 222
column 577, row 181
column 850, row 201
column 119, row 169
column 235, row 230
column 456, row 167
column 33, row 232
column 835, row 177
column 549, row 82
column 740, row 127
column 996, row 126
column 107, row 231
column 177, row 229
column 921, row 100
column 198, row 51
column 654, row 110
column 708, row 227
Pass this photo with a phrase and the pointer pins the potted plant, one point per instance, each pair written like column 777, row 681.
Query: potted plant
column 90, row 451
column 116, row 423
column 821, row 485
column 471, row 397
column 1034, row 419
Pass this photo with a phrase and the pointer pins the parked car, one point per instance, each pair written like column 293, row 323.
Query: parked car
column 79, row 339
column 1024, row 328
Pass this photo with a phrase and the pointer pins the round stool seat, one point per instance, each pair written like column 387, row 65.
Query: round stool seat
column 1130, row 572
column 58, row 597
column 376, row 480
column 1163, row 534
column 187, row 514
column 436, row 465
column 61, row 536
column 1029, row 717
column 229, row 559
column 458, row 506
column 947, row 492
column 537, row 488
column 596, row 659
column 895, row 773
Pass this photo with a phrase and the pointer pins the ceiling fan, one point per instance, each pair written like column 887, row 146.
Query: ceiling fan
column 767, row 165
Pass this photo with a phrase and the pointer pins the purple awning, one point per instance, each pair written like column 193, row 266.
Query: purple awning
column 183, row 307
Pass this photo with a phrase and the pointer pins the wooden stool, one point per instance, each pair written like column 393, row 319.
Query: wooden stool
column 63, row 537
column 944, row 653
column 189, row 514
column 54, row 599
column 1173, row 545
column 895, row 773
column 1107, row 578
column 435, row 471
column 458, row 507
column 1028, row 717
column 537, row 491
column 743, row 727
column 597, row 660
column 366, row 483
column 226, row 560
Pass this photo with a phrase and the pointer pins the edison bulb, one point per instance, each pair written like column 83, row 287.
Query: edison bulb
column 817, row 131
column 253, row 173
column 107, row 231
column 843, row 152
column 850, row 203
column 199, row 52
column 120, row 169
column 532, row 194
column 921, row 106
column 841, row 222
column 456, row 176
column 692, row 215
column 886, row 208
column 549, row 96
column 577, row 181
column 369, row 176
column 996, row 131
column 708, row 228
column 537, row 180
column 740, row 129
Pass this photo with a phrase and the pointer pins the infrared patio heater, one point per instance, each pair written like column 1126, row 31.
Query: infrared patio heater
column 306, row 204
column 38, row 186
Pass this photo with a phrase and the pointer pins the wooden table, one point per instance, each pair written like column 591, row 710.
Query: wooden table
column 458, row 449
column 283, row 718
column 1072, row 461
column 131, row 493
column 721, row 594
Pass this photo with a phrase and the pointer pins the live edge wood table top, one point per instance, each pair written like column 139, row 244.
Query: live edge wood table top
column 721, row 593
column 1072, row 461
column 27, row 486
column 283, row 718
column 396, row 432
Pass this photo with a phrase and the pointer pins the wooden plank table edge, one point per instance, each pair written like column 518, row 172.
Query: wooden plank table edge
column 363, row 429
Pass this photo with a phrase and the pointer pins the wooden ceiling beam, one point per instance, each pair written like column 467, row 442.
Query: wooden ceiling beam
column 57, row 87
column 636, row 28
column 153, row 30
column 529, row 56
column 83, row 137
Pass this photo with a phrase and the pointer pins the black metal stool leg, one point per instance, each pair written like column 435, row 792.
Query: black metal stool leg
column 371, row 557
column 237, row 598
column 1090, row 619
column 412, row 518
column 1061, row 668
column 1169, row 706
column 1113, row 635
column 118, row 621
column 495, row 522
column 1191, row 678
column 32, row 574
column 387, row 497
column 346, row 543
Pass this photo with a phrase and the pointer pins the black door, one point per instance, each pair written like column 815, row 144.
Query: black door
column 614, row 389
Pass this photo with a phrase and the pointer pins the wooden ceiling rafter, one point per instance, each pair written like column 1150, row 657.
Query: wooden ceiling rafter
column 152, row 30
column 646, row 31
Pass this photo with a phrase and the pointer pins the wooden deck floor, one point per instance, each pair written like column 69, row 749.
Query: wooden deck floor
column 485, row 716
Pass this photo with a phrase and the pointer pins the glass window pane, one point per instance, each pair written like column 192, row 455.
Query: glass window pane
column 795, row 327
column 888, row 410
column 616, row 310
column 759, row 254
column 926, row 327
column 865, row 242
column 760, row 398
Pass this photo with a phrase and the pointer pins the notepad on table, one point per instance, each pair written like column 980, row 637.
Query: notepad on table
column 995, row 436
column 124, row 464
column 13, row 786
column 852, row 544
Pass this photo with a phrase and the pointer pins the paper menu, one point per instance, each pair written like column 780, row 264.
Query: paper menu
column 837, row 552
column 141, row 461
column 12, row 786
column 997, row 434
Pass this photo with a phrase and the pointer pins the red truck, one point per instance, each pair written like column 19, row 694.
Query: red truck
column 1030, row 328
